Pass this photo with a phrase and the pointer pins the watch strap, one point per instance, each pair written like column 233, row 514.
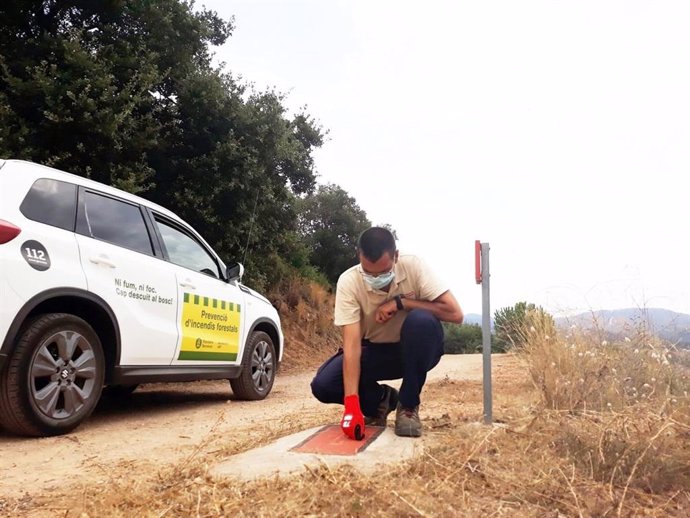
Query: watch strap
column 398, row 302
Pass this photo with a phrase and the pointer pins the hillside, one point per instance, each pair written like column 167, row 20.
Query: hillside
column 668, row 325
column 306, row 313
column 582, row 430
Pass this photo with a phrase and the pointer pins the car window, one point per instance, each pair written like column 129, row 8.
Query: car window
column 114, row 221
column 51, row 202
column 186, row 251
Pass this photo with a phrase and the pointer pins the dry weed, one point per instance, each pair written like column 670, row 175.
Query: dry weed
column 577, row 373
column 557, row 453
column 618, row 412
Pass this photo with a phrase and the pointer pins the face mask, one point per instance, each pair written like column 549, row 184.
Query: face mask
column 381, row 281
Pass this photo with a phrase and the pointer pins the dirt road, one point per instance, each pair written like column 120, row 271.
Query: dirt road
column 163, row 424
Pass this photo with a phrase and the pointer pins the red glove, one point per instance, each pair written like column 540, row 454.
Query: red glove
column 352, row 423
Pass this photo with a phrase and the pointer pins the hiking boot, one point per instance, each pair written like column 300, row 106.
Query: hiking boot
column 386, row 406
column 407, row 423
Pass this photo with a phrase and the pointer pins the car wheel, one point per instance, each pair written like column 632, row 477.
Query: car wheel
column 258, row 368
column 54, row 377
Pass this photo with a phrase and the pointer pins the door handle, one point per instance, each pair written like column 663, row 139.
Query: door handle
column 187, row 284
column 102, row 259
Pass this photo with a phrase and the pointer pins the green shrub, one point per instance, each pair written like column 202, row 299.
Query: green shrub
column 516, row 325
column 462, row 339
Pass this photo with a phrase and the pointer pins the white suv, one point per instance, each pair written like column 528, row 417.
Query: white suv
column 102, row 288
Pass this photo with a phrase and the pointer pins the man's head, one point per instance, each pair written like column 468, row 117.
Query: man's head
column 374, row 242
column 377, row 251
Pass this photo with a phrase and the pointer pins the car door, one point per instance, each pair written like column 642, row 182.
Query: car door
column 118, row 257
column 210, row 310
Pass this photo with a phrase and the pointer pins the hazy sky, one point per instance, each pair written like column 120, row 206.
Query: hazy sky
column 556, row 131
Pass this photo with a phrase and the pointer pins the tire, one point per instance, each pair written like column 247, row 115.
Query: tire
column 54, row 377
column 258, row 368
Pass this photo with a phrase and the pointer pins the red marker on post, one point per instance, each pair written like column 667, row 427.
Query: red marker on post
column 478, row 261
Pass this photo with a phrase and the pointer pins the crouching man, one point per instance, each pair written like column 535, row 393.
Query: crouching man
column 390, row 309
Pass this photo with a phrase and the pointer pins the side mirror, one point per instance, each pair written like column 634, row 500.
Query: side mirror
column 235, row 272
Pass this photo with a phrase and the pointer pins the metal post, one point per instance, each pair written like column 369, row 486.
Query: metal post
column 486, row 333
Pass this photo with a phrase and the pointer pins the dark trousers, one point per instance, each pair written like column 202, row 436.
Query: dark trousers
column 419, row 350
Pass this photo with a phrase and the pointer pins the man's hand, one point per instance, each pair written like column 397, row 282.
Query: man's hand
column 352, row 423
column 386, row 311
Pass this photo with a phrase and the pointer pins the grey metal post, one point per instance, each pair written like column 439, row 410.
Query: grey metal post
column 486, row 335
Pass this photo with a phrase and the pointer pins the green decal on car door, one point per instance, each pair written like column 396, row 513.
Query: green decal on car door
column 210, row 329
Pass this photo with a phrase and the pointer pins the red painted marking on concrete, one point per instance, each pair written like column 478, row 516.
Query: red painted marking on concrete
column 331, row 440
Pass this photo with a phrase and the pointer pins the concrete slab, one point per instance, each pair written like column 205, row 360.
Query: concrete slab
column 281, row 457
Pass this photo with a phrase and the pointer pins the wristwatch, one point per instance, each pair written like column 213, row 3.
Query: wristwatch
column 398, row 302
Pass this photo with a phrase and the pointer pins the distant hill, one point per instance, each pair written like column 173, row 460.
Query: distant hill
column 667, row 324
column 474, row 318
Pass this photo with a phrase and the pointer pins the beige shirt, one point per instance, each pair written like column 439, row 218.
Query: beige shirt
column 356, row 301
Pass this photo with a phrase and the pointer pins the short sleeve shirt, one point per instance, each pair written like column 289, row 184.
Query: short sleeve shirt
column 356, row 301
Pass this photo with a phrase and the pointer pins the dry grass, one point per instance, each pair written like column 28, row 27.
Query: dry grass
column 585, row 429
column 538, row 463
column 578, row 372
column 620, row 412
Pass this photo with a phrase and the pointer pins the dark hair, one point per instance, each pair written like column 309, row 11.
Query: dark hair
column 373, row 242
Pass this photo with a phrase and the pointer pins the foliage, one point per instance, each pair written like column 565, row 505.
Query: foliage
column 462, row 339
column 85, row 84
column 124, row 92
column 330, row 224
column 466, row 339
column 516, row 325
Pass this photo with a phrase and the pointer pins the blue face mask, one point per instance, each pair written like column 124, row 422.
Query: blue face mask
column 381, row 281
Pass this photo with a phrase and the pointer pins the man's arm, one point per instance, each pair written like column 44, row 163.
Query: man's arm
column 352, row 354
column 444, row 307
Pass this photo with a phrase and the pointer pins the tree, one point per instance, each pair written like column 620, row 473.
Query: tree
column 124, row 92
column 330, row 223
column 516, row 326
column 85, row 85
column 462, row 339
